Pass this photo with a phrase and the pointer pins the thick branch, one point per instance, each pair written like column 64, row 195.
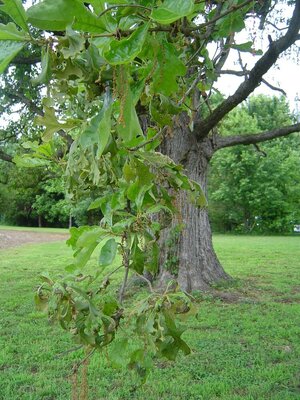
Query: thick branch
column 228, row 141
column 203, row 127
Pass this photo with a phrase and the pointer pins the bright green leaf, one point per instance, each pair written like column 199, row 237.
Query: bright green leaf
column 124, row 51
column 10, row 32
column 15, row 9
column 234, row 22
column 57, row 15
column 169, row 68
column 108, row 253
column 27, row 161
column 247, row 47
column 172, row 10
column 8, row 50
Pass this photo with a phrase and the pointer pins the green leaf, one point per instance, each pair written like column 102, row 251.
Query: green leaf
column 28, row 161
column 10, row 32
column 99, row 130
column 57, row 15
column 152, row 263
column 75, row 233
column 162, row 110
column 172, row 10
column 247, row 47
column 51, row 123
column 169, row 67
column 124, row 51
column 45, row 75
column 8, row 50
column 15, row 9
column 234, row 22
column 129, row 126
column 129, row 172
column 118, row 353
column 108, row 253
column 84, row 240
column 137, row 256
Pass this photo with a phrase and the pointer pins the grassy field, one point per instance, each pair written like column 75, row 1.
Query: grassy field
column 246, row 346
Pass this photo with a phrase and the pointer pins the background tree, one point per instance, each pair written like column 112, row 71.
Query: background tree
column 256, row 188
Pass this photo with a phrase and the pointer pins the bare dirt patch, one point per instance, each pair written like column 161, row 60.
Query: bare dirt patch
column 18, row 238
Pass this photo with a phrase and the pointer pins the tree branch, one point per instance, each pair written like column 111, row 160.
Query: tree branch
column 220, row 16
column 203, row 127
column 278, row 89
column 228, row 141
column 245, row 73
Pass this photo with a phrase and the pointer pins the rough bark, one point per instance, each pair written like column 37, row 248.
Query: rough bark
column 190, row 258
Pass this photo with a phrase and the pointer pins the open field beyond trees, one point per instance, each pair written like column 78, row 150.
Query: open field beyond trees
column 245, row 340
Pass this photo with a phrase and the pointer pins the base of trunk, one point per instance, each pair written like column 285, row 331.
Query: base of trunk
column 196, row 277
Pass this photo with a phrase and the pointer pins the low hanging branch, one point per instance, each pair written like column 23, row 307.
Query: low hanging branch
column 221, row 142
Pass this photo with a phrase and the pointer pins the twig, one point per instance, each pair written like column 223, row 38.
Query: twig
column 111, row 273
column 192, row 87
column 139, row 146
column 213, row 20
column 77, row 365
column 126, row 252
column 278, row 89
column 146, row 280
column 68, row 351
column 124, row 284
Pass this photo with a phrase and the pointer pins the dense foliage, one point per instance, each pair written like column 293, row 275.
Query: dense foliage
column 256, row 189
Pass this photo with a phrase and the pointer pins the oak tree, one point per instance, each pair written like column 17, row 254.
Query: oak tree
column 126, row 110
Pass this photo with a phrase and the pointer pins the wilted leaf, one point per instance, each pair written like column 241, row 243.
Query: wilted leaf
column 52, row 125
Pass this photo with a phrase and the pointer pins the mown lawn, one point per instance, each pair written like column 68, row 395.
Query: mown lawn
column 246, row 345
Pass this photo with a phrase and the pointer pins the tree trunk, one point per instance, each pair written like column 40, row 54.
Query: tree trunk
column 40, row 223
column 189, row 256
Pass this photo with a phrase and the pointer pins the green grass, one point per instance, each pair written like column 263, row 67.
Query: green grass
column 247, row 347
column 31, row 229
